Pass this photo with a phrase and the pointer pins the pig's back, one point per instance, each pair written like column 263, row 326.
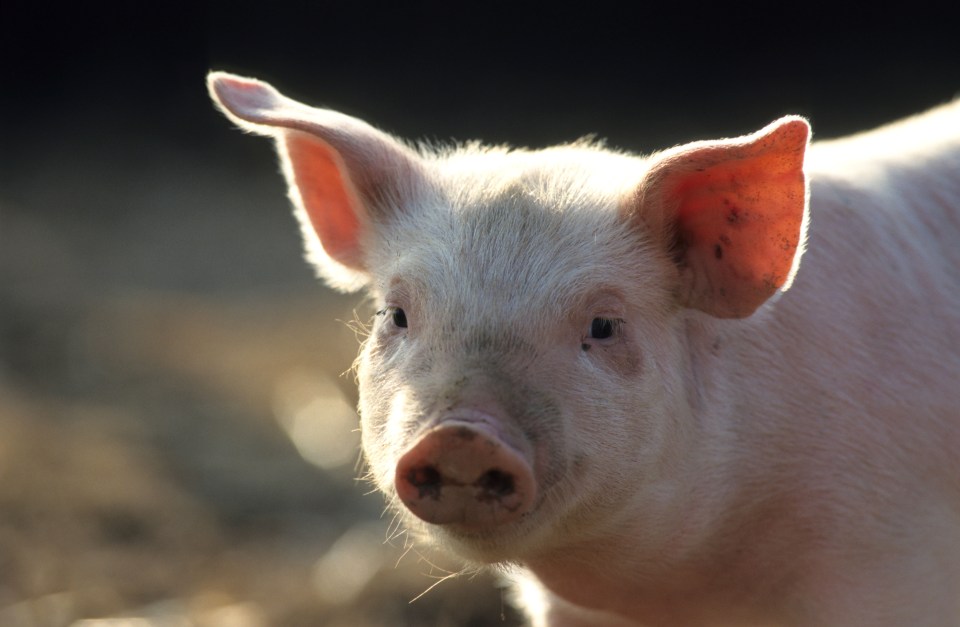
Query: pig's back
column 885, row 220
column 873, row 318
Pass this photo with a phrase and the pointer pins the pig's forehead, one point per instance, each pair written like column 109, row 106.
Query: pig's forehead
column 528, row 237
column 477, row 175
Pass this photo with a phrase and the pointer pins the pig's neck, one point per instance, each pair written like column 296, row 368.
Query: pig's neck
column 729, row 583
column 703, row 557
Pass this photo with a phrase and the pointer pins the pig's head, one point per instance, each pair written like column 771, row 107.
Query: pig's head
column 526, row 376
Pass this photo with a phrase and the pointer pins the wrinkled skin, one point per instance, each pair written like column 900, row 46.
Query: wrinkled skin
column 590, row 365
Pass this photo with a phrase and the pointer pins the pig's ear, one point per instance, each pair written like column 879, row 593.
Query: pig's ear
column 733, row 214
column 343, row 174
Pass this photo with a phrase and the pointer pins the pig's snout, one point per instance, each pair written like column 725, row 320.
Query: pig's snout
column 460, row 474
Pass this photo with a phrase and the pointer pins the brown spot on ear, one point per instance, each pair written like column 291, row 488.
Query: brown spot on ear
column 742, row 201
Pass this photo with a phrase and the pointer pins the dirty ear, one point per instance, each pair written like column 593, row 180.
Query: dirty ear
column 344, row 176
column 733, row 214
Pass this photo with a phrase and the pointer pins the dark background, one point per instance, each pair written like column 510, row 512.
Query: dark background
column 155, row 312
column 111, row 93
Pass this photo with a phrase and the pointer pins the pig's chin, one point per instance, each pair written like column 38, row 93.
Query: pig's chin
column 510, row 542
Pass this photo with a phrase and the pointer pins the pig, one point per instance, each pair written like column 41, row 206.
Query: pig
column 609, row 375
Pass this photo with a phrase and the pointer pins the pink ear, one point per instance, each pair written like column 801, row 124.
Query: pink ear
column 340, row 170
column 328, row 197
column 737, row 211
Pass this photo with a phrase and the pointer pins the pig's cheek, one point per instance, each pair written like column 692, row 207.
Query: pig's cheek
column 614, row 361
column 611, row 424
column 383, row 406
column 389, row 405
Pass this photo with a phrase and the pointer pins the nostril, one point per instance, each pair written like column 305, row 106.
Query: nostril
column 427, row 480
column 496, row 484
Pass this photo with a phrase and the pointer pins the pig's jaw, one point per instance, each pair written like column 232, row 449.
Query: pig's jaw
column 701, row 567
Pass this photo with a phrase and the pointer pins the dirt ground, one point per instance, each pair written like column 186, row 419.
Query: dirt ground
column 178, row 445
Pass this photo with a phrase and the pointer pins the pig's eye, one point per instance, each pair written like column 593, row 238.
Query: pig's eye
column 602, row 328
column 396, row 315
